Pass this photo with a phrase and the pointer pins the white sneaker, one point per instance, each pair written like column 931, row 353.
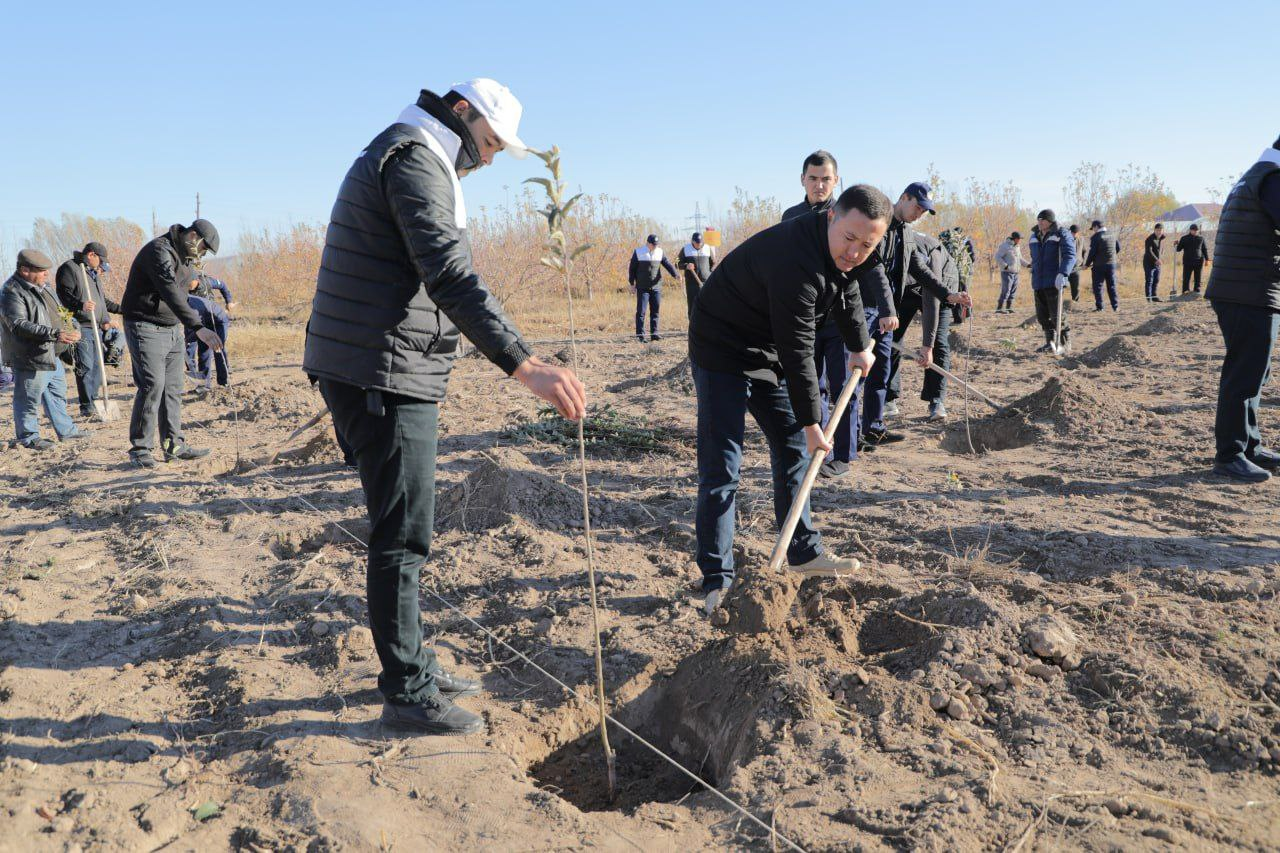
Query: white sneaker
column 713, row 601
column 826, row 566
column 890, row 409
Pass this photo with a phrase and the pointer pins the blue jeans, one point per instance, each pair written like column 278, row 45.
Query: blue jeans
column 33, row 389
column 1249, row 334
column 652, row 300
column 1152, row 275
column 833, row 371
column 88, row 377
column 723, row 402
column 1105, row 274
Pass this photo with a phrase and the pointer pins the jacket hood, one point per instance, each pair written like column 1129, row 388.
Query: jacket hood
column 468, row 156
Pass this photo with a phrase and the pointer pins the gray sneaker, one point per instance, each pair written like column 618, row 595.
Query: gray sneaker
column 434, row 715
column 937, row 410
column 890, row 409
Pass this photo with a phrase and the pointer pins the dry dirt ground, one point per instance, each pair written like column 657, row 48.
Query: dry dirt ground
column 1065, row 640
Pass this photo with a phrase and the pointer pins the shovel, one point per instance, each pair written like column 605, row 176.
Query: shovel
column 106, row 409
column 956, row 379
column 1057, row 331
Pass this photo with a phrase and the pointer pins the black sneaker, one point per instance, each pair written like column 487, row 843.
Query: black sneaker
column 1242, row 470
column 1156, row 299
column 143, row 459
column 882, row 436
column 454, row 686
column 1264, row 458
column 865, row 446
column 434, row 715
column 184, row 452
column 832, row 469
column 39, row 444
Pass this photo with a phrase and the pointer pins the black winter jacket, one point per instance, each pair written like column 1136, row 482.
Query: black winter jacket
column 758, row 313
column 873, row 279
column 1103, row 248
column 73, row 276
column 1152, row 248
column 396, row 273
column 1247, row 270
column 31, row 325
column 155, row 292
column 1194, row 249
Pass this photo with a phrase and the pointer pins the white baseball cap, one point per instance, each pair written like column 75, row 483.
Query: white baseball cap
column 495, row 102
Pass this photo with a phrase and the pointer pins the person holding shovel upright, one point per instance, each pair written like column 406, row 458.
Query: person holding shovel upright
column 751, row 343
column 1053, row 257
column 396, row 286
column 80, row 292
column 697, row 260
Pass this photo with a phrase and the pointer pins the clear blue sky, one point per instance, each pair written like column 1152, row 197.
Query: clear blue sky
column 119, row 109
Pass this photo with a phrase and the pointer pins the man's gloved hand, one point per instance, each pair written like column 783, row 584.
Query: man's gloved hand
column 1060, row 282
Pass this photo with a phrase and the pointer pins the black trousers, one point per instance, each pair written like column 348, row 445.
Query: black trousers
column 1073, row 278
column 393, row 439
column 1188, row 271
column 935, row 384
column 1249, row 333
column 1047, row 310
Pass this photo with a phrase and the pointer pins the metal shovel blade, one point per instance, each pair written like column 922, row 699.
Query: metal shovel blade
column 106, row 410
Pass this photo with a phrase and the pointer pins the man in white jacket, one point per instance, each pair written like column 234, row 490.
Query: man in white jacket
column 1009, row 257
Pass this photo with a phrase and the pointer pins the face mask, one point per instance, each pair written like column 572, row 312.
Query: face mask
column 192, row 244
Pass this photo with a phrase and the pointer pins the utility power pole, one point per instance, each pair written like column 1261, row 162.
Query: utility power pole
column 197, row 205
column 697, row 217
column 155, row 225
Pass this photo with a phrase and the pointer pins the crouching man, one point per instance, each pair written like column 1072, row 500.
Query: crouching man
column 751, row 342
column 395, row 288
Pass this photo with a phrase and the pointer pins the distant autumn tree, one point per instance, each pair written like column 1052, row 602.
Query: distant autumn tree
column 1126, row 201
column 121, row 237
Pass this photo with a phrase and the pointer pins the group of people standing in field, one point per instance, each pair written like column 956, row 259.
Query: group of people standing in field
column 169, row 322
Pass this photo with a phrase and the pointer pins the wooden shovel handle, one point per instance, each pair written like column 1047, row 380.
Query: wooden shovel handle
column 811, row 475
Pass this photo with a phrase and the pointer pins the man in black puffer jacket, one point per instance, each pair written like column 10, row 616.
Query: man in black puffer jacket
column 396, row 284
column 1244, row 290
column 155, row 311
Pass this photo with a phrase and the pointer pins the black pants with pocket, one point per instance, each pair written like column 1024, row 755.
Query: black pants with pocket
column 393, row 439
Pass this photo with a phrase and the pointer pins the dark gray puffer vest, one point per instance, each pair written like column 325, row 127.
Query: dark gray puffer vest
column 1246, row 269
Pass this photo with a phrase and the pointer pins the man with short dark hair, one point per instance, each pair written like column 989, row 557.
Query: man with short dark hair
column 644, row 276
column 751, row 343
column 1073, row 277
column 80, row 291
column 1244, row 290
column 155, row 311
column 1053, row 255
column 1195, row 254
column 34, row 338
column 1010, row 260
column 1104, row 255
column 819, row 176
column 1151, row 262
column 697, row 259
column 395, row 291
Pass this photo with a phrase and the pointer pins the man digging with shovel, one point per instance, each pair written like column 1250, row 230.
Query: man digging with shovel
column 751, row 343
column 79, row 289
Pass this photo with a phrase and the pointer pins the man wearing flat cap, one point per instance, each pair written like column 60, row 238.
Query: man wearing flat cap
column 80, row 292
column 34, row 337
column 155, row 312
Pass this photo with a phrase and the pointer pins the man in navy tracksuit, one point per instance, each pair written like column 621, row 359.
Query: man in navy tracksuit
column 1244, row 290
column 1053, row 256
column 1151, row 262
column 1104, row 254
column 819, row 178
column 644, row 275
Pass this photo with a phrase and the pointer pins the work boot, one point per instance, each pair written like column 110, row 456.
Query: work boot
column 713, row 601
column 142, row 459
column 1156, row 299
column 878, row 437
column 865, row 446
column 455, row 686
column 937, row 410
column 1264, row 458
column 999, row 307
column 832, row 469
column 434, row 715
column 1242, row 470
column 890, row 409
column 826, row 566
column 183, row 451
column 1048, row 343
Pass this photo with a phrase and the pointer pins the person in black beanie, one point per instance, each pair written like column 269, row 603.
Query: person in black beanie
column 1244, row 290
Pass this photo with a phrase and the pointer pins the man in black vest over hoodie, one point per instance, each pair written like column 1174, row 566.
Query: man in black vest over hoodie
column 395, row 288
column 1244, row 290
column 751, row 343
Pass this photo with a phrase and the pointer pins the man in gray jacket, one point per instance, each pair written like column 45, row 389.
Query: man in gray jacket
column 396, row 287
column 34, row 337
column 1009, row 258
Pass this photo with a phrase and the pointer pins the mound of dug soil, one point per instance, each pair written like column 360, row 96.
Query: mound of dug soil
column 1119, row 350
column 253, row 401
column 1066, row 407
column 1173, row 321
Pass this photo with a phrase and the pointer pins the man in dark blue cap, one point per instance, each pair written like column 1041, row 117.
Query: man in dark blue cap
column 1244, row 290
column 697, row 259
column 644, row 275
